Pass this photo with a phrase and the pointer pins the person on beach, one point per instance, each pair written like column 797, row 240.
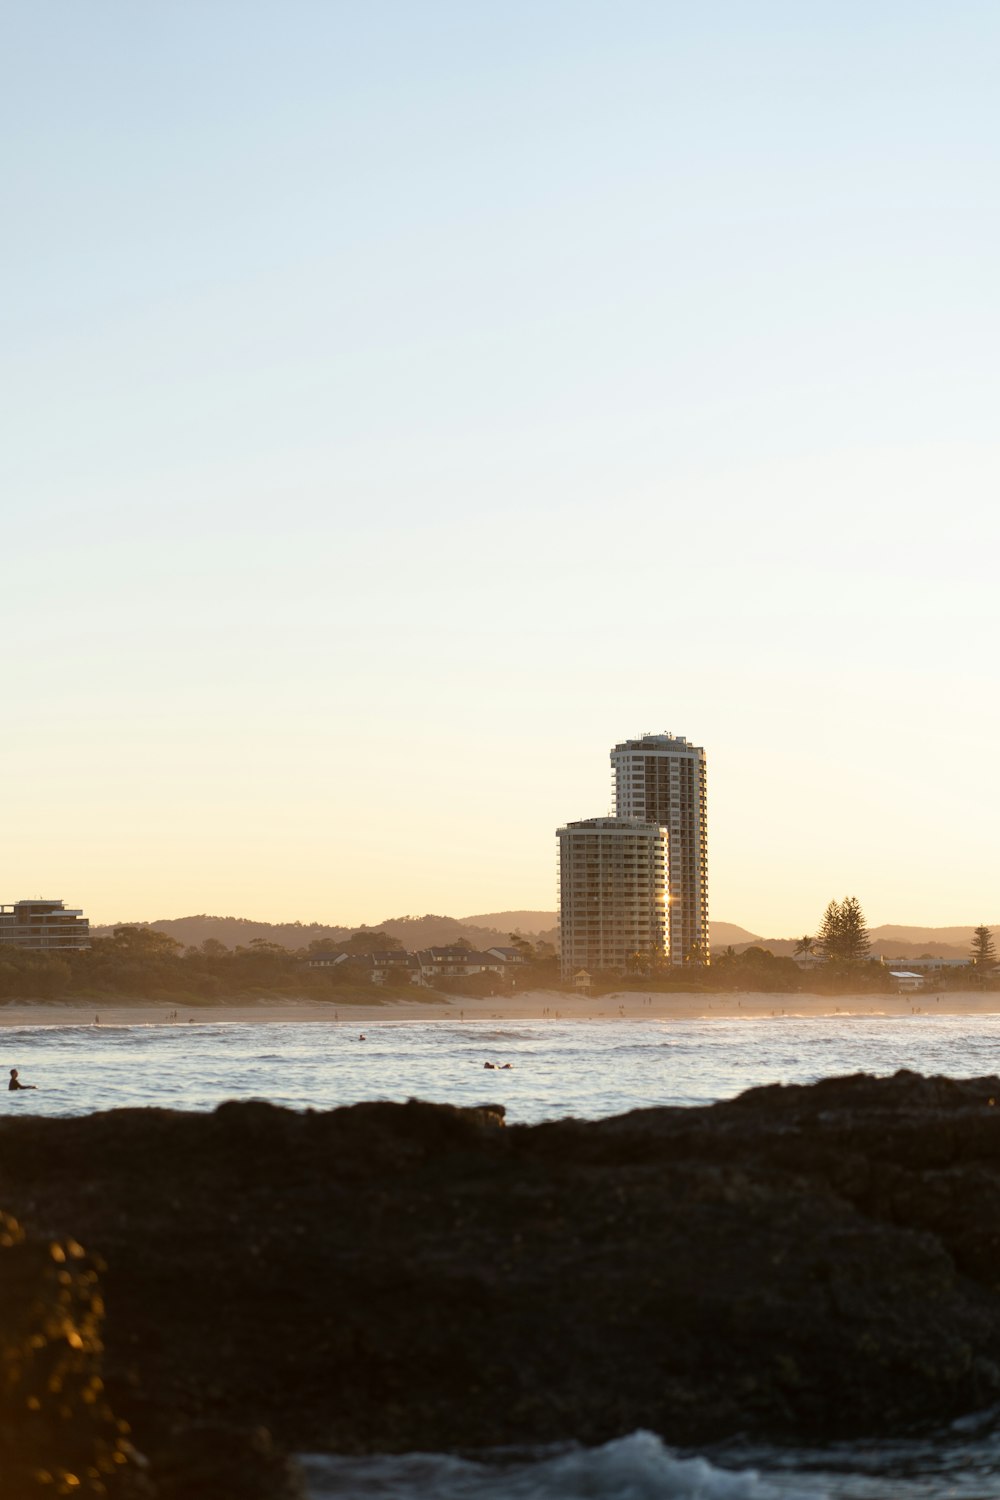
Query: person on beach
column 15, row 1082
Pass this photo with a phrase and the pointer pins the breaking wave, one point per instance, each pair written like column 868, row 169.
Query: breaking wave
column 638, row 1467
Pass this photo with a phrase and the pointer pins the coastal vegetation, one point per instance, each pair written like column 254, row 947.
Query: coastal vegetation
column 141, row 961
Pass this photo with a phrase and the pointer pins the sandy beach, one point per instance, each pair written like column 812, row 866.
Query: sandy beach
column 532, row 1005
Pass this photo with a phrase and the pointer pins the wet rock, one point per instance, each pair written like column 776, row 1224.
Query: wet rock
column 209, row 1461
column 799, row 1263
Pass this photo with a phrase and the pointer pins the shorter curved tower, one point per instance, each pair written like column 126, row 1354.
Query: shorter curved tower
column 612, row 887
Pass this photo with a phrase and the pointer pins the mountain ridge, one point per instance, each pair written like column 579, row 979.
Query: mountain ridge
column 489, row 929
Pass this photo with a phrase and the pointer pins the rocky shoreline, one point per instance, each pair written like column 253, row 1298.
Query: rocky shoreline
column 800, row 1264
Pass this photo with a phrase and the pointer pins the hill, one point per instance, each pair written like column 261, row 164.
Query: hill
column 888, row 941
column 724, row 933
column 413, row 932
column 515, row 921
column 912, row 942
column 490, row 929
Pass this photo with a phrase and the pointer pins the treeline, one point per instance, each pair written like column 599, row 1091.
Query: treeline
column 139, row 962
column 142, row 963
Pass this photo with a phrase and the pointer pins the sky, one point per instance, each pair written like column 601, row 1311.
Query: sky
column 403, row 403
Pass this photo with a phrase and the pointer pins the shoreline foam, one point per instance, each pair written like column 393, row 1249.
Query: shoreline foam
column 530, row 1005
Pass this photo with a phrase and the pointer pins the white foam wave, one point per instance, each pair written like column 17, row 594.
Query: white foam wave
column 638, row 1467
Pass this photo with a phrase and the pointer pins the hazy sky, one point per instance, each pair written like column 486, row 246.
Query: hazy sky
column 404, row 401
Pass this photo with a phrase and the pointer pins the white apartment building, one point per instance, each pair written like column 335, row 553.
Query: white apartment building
column 662, row 779
column 612, row 893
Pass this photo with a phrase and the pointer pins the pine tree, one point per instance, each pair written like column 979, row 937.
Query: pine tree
column 828, row 936
column 984, row 950
column 855, row 942
column 843, row 932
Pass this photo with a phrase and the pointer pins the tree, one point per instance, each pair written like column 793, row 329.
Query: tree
column 804, row 945
column 983, row 952
column 828, row 936
column 843, row 933
column 855, row 943
column 524, row 947
column 144, row 942
column 365, row 941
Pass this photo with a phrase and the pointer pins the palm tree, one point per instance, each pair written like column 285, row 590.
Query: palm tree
column 805, row 945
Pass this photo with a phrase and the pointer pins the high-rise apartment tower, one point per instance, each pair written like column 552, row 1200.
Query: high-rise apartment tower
column 661, row 778
column 612, row 888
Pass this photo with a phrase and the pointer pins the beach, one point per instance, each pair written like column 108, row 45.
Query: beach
column 531, row 1005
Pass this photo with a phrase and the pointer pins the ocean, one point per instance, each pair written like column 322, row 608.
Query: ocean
column 589, row 1069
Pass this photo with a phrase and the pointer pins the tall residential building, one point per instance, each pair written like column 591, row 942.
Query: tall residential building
column 43, row 927
column 661, row 778
column 611, row 893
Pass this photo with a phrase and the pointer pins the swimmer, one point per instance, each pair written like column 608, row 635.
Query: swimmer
column 489, row 1065
column 362, row 1037
column 15, row 1082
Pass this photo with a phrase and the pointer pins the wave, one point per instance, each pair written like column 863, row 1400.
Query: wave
column 638, row 1467
column 499, row 1035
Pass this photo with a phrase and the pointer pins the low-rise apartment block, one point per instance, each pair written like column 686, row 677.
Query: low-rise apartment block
column 43, row 927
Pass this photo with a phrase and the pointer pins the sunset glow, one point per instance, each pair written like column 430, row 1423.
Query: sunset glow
column 405, row 404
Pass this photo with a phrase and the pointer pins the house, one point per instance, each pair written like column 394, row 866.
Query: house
column 905, row 980
column 927, row 965
column 393, row 964
column 323, row 960
column 458, row 962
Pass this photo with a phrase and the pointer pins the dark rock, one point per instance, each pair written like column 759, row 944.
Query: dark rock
column 798, row 1263
column 208, row 1461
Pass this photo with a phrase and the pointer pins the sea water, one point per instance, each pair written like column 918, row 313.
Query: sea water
column 589, row 1069
column 642, row 1467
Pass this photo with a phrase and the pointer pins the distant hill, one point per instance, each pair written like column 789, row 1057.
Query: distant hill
column 536, row 926
column 725, row 933
column 413, row 932
column 516, row 921
column 960, row 935
column 490, row 929
column 911, row 942
column 888, row 941
column 236, row 932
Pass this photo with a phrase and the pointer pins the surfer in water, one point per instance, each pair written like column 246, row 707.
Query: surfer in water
column 15, row 1082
